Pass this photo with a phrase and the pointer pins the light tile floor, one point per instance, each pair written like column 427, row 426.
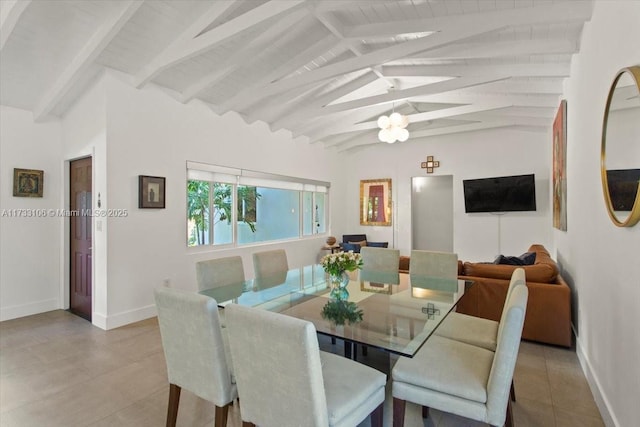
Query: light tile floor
column 57, row 369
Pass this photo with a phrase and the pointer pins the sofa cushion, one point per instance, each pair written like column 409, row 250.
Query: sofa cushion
column 361, row 243
column 403, row 264
column 541, row 273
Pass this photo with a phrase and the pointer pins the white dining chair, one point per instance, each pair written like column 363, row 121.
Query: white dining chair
column 197, row 357
column 214, row 273
column 434, row 270
column 460, row 378
column 476, row 330
column 217, row 273
column 380, row 265
column 270, row 268
column 284, row 380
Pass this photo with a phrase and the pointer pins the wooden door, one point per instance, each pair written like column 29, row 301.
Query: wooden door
column 80, row 229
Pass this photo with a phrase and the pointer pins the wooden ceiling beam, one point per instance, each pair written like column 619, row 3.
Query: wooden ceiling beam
column 372, row 59
column 185, row 48
column 12, row 10
column 570, row 11
column 85, row 57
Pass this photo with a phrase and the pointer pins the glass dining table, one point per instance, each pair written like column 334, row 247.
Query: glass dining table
column 394, row 317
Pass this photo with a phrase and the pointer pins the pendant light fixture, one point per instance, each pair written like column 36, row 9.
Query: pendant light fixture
column 393, row 127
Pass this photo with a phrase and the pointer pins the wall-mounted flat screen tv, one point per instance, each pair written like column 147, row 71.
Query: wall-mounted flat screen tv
column 500, row 194
column 623, row 187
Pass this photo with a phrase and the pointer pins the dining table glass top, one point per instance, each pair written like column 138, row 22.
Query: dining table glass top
column 396, row 317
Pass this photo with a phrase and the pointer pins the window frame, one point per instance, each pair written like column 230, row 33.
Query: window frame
column 235, row 177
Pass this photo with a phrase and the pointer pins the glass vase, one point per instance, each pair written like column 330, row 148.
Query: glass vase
column 338, row 283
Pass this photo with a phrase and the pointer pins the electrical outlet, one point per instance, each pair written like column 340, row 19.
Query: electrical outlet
column 166, row 283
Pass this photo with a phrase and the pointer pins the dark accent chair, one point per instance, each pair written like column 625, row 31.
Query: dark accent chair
column 346, row 246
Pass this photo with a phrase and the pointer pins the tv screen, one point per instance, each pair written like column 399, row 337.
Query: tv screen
column 623, row 187
column 500, row 194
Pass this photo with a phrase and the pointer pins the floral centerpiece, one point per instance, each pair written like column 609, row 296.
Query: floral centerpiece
column 337, row 265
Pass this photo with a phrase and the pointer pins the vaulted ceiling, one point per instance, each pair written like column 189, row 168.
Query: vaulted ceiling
column 324, row 69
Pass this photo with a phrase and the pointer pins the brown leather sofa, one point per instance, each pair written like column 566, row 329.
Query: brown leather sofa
column 548, row 317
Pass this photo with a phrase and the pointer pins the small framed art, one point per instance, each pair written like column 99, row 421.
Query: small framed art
column 151, row 192
column 28, row 182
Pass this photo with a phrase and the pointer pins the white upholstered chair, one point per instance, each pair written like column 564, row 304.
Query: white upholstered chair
column 460, row 378
column 434, row 270
column 214, row 273
column 476, row 330
column 380, row 265
column 270, row 268
column 284, row 380
column 219, row 272
column 195, row 351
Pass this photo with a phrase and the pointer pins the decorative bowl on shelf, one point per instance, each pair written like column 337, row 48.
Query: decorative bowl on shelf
column 331, row 240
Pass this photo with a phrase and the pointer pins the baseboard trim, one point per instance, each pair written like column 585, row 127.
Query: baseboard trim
column 123, row 318
column 16, row 311
column 602, row 402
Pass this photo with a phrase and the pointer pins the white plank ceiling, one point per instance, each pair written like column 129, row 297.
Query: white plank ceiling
column 323, row 69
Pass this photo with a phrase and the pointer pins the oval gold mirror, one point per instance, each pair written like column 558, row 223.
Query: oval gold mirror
column 620, row 150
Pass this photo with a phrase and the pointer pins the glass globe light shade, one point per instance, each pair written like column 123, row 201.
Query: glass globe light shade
column 383, row 122
column 395, row 119
column 405, row 121
column 403, row 135
column 395, row 132
column 383, row 135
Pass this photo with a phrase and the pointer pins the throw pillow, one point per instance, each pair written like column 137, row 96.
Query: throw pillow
column 351, row 247
column 361, row 243
column 378, row 244
column 527, row 258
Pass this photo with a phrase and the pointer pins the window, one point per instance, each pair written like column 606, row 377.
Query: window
column 267, row 207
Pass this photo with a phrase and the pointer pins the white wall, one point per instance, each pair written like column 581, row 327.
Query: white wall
column 29, row 246
column 149, row 133
column 84, row 134
column 599, row 259
column 477, row 237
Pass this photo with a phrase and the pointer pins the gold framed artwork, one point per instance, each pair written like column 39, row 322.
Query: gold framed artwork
column 151, row 192
column 560, row 167
column 28, row 182
column 375, row 202
column 377, row 288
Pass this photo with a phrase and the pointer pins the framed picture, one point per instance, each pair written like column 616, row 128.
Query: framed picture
column 28, row 182
column 151, row 192
column 560, row 167
column 375, row 202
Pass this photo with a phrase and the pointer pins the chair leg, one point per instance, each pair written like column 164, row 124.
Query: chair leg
column 425, row 412
column 222, row 414
column 398, row 412
column 174, row 401
column 509, row 421
column 513, row 392
column 377, row 416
